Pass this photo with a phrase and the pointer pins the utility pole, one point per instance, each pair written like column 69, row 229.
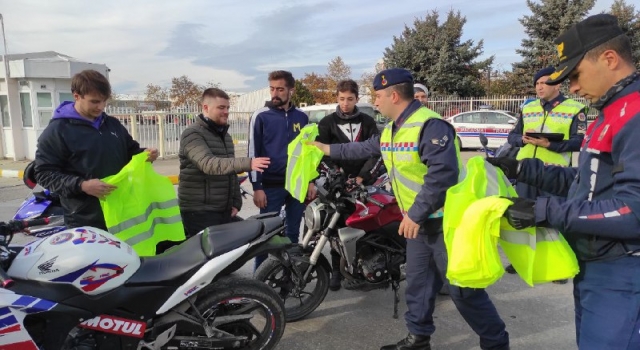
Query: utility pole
column 6, row 83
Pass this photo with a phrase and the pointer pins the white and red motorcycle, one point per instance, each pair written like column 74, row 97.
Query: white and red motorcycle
column 84, row 289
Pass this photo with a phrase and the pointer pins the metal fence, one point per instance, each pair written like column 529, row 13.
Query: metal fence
column 448, row 106
column 162, row 129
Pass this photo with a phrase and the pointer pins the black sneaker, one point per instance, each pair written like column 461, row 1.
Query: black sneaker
column 336, row 281
column 411, row 342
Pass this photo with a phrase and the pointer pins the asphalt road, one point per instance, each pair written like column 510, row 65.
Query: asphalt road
column 539, row 318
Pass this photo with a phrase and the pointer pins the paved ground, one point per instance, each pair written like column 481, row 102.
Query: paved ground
column 539, row 318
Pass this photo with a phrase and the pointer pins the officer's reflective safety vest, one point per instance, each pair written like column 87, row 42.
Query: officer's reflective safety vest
column 143, row 211
column 402, row 160
column 474, row 214
column 302, row 162
column 557, row 121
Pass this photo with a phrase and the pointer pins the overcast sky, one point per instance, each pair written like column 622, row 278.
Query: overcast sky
column 236, row 43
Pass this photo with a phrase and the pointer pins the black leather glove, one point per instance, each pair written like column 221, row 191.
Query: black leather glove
column 509, row 166
column 521, row 213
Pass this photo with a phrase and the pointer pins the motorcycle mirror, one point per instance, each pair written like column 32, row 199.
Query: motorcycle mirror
column 483, row 140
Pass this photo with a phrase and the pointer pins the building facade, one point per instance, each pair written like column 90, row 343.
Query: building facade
column 37, row 83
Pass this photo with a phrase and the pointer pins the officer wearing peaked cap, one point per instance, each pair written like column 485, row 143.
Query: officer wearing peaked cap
column 422, row 156
column 597, row 204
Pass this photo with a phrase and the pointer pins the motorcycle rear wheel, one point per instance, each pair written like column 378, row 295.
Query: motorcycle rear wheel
column 235, row 296
column 285, row 283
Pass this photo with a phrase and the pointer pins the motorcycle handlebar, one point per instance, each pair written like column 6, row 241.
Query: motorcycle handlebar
column 5, row 280
column 8, row 229
column 14, row 226
column 369, row 199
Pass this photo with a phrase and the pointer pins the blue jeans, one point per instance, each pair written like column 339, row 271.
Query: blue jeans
column 607, row 304
column 426, row 273
column 276, row 198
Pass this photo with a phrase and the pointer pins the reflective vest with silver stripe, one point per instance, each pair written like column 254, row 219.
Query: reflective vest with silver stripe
column 539, row 254
column 557, row 121
column 302, row 162
column 143, row 210
column 402, row 160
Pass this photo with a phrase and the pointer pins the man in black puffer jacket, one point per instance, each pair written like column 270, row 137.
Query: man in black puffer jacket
column 348, row 124
column 208, row 188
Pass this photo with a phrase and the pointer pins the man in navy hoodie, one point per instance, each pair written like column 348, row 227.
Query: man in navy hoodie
column 271, row 130
column 82, row 145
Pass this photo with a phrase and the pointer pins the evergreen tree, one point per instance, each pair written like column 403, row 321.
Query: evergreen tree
column 302, row 95
column 437, row 56
column 548, row 20
column 629, row 20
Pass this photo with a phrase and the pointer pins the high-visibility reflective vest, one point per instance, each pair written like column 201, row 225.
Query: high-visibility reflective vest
column 143, row 210
column 402, row 160
column 539, row 255
column 302, row 162
column 557, row 121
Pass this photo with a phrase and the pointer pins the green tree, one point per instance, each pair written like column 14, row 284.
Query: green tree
column 548, row 19
column 302, row 95
column 437, row 56
column 629, row 20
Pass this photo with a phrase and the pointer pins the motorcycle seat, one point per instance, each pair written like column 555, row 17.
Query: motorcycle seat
column 170, row 267
column 220, row 239
column 272, row 221
column 272, row 224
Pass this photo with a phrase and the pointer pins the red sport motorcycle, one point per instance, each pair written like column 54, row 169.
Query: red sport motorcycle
column 361, row 224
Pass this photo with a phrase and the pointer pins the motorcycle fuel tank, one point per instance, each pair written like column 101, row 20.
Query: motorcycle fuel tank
column 369, row 216
column 91, row 259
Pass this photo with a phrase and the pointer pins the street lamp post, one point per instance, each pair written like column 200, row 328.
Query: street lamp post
column 5, row 61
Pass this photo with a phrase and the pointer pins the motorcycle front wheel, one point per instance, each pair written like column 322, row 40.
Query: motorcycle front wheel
column 300, row 298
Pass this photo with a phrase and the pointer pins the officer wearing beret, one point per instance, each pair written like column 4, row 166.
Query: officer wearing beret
column 422, row 155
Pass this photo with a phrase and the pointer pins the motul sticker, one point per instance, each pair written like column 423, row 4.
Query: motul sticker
column 115, row 325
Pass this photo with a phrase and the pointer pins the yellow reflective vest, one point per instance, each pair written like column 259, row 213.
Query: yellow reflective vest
column 402, row 160
column 557, row 121
column 143, row 210
column 473, row 213
column 302, row 162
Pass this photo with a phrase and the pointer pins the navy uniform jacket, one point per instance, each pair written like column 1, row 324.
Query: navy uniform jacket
column 439, row 156
column 598, row 208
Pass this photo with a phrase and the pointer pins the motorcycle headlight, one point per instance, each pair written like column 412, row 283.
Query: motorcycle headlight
column 314, row 215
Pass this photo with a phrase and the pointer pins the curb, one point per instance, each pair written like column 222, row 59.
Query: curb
column 11, row 173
